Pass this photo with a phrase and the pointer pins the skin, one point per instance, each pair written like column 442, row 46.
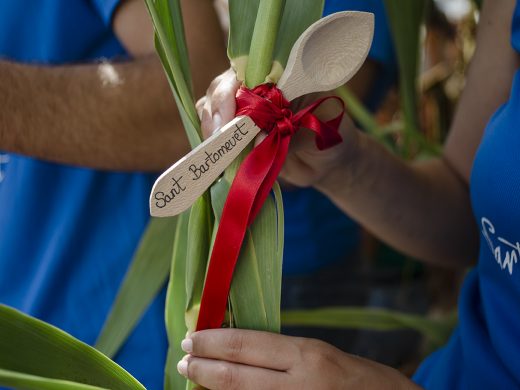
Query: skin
column 229, row 359
column 428, row 201
column 75, row 115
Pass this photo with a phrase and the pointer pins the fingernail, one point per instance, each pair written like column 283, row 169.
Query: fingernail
column 217, row 121
column 187, row 345
column 182, row 367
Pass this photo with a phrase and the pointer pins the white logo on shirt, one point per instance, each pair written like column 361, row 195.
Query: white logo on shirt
column 506, row 253
column 4, row 159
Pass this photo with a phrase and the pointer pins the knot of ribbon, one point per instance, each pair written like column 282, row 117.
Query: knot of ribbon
column 270, row 111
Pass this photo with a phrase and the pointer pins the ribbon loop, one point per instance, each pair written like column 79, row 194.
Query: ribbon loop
column 270, row 111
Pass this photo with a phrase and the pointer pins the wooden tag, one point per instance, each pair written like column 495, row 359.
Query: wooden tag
column 180, row 186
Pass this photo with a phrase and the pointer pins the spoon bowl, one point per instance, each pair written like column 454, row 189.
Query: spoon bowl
column 328, row 54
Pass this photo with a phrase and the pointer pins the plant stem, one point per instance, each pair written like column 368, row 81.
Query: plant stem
column 263, row 41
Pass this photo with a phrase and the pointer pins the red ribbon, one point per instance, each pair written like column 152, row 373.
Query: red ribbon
column 270, row 111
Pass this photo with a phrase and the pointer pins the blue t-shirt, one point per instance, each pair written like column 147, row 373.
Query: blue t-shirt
column 67, row 234
column 317, row 233
column 484, row 352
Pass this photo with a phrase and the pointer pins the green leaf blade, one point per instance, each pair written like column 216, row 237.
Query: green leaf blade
column 144, row 279
column 176, row 306
column 18, row 380
column 406, row 17
column 369, row 318
column 242, row 17
column 263, row 41
column 171, row 46
column 246, row 293
column 199, row 236
column 32, row 347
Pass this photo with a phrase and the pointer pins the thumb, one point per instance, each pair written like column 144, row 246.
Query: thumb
column 220, row 105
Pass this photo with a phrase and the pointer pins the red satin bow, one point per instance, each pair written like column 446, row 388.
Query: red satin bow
column 270, row 111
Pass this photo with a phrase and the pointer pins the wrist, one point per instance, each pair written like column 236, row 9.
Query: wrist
column 377, row 376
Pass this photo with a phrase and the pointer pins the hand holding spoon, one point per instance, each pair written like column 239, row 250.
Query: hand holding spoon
column 325, row 57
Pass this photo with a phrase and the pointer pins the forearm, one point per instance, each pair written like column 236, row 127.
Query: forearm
column 108, row 116
column 422, row 209
column 113, row 115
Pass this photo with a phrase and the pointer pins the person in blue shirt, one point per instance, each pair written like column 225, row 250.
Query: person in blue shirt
column 458, row 210
column 81, row 86
column 85, row 113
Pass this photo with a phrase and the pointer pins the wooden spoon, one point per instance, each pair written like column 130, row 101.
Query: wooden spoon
column 325, row 57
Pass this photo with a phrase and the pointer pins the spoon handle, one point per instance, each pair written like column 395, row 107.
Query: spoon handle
column 182, row 184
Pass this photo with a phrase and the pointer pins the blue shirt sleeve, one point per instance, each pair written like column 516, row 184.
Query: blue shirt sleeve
column 105, row 9
column 382, row 47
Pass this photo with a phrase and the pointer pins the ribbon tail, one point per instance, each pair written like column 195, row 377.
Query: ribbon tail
column 272, row 176
column 327, row 134
column 231, row 232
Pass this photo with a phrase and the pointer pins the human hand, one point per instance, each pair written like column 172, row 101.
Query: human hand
column 242, row 359
column 305, row 165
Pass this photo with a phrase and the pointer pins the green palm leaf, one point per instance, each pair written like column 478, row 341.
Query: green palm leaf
column 172, row 49
column 242, row 16
column 199, row 237
column 32, row 382
column 176, row 305
column 263, row 41
column 406, row 17
column 32, row 347
column 438, row 331
column 143, row 281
